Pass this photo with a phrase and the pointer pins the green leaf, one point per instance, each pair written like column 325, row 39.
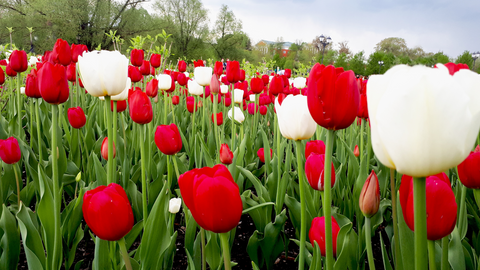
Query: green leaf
column 406, row 238
column 32, row 243
column 9, row 240
column 101, row 261
column 456, row 257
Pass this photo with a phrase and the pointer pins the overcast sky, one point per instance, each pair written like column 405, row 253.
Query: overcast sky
column 435, row 25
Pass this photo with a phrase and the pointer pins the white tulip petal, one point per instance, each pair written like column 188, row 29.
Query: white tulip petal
column 203, row 75
column 294, row 119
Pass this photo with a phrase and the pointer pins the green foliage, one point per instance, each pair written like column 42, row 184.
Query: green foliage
column 357, row 63
column 342, row 61
column 465, row 58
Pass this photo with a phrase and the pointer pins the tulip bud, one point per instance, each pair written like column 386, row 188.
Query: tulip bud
column 263, row 110
column 78, row 177
column 261, row 154
column 136, row 57
column 155, row 60
column 356, row 152
column 18, row 61
column 175, row 100
column 218, row 69
column 314, row 146
column 317, row 234
column 2, row 76
column 219, row 118
column 226, row 155
column 370, row 196
column 182, row 66
column 152, row 88
column 314, row 171
column 214, row 84
column 168, row 139
column 104, row 149
column 10, row 150
column 145, row 68
column 76, row 117
column 62, row 52
column 140, row 107
column 469, row 170
column 238, row 96
column 174, row 205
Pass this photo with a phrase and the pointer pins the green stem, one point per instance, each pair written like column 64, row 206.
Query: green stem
column 368, row 239
column 175, row 165
column 445, row 264
column 110, row 142
column 144, row 181
column 431, row 255
column 362, row 128
column 115, row 117
column 420, row 223
column 327, row 200
column 18, row 184
column 170, row 103
column 463, row 196
column 39, row 134
column 169, row 173
column 19, row 110
column 77, row 87
column 303, row 226
column 202, row 238
column 203, row 112
column 30, row 101
column 165, row 107
column 280, row 192
column 226, row 250
column 233, row 118
column 124, row 252
column 393, row 191
column 215, row 127
column 57, row 242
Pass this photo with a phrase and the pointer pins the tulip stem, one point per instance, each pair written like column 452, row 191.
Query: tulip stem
column 280, row 191
column 420, row 223
column 445, row 264
column 164, row 107
column 203, row 112
column 124, row 252
column 327, row 200
column 393, row 192
column 30, row 101
column 202, row 239
column 39, row 136
column 303, row 226
column 362, row 128
column 368, row 239
column 77, row 88
column 175, row 165
column 110, row 142
column 115, row 128
column 57, row 242
column 233, row 119
column 431, row 255
column 226, row 250
column 19, row 111
column 18, row 184
column 144, row 181
column 463, row 196
column 215, row 127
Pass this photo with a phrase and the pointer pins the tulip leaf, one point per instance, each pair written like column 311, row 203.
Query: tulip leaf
column 456, row 257
column 101, row 175
column 316, row 258
column 73, row 248
column 347, row 244
column 266, row 149
column 213, row 251
column 257, row 206
column 385, row 259
column 259, row 188
column 101, row 261
column 406, row 238
column 133, row 234
column 207, row 157
column 9, row 240
column 32, row 243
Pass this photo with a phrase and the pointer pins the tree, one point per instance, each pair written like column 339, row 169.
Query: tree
column 343, row 48
column 189, row 22
column 357, row 63
column 465, row 58
column 342, row 61
column 396, row 46
column 373, row 67
column 229, row 40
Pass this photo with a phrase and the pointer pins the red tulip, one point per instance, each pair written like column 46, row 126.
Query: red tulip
column 136, row 57
column 256, row 84
column 214, row 85
column 77, row 50
column 219, row 118
column 263, row 110
column 10, row 72
column 145, row 68
column 76, row 117
column 333, row 96
column 315, row 146
column 31, row 85
column 168, row 139
column 314, row 167
column 18, row 61
column 182, row 79
column 140, row 107
column 233, row 71
column 224, row 80
column 317, row 234
column 356, row 151
column 52, row 83
column 71, row 72
column 104, row 149
column 469, row 170
column 370, row 196
column 213, row 198
column 242, row 75
column 452, row 67
column 152, row 88
column 276, row 85
column 134, row 74
column 226, row 155
column 261, row 154
column 62, row 52
column 363, row 108
column 265, row 79
column 191, row 104
column 218, row 69
column 182, row 66
column 121, row 105
column 108, row 212
column 227, row 101
column 10, row 150
column 2, row 76
column 219, row 98
column 155, row 60
column 3, row 62
column 288, row 73
column 252, row 108
column 441, row 205
column 175, row 100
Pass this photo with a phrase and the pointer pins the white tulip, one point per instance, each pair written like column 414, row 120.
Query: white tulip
column 238, row 96
column 194, row 88
column 174, row 205
column 203, row 75
column 186, row 74
column 290, row 81
column 252, row 97
column 239, row 117
column 223, row 89
column 423, row 120
column 103, row 73
column 300, row 82
column 164, row 81
column 33, row 60
column 22, row 90
column 124, row 94
column 294, row 118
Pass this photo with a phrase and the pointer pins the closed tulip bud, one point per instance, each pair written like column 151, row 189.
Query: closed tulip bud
column 203, row 75
column 71, row 72
column 213, row 198
column 152, row 88
column 9, row 71
column 175, row 100
column 182, row 66
column 314, row 146
column 52, row 83
column 261, row 154
column 239, row 117
column 317, row 234
column 194, row 88
column 469, row 170
column 134, row 74
column 256, row 85
column 77, row 50
column 294, row 119
column 370, row 196
column 233, row 71
column 136, row 57
column 155, row 60
column 103, row 73
column 145, row 68
column 18, row 61
column 62, row 52
column 168, row 139
column 191, row 104
column 121, row 105
column 440, row 201
column 218, row 69
column 140, row 107
column 300, row 82
column 214, row 84
column 2, row 76
column 10, row 151
column 174, row 205
column 288, row 73
column 108, row 212
column 363, row 108
column 314, row 167
column 31, row 85
column 265, row 79
column 242, row 75
column 452, row 67
column 356, row 152
column 226, row 155
column 263, row 110
column 182, row 79
column 219, row 118
column 104, row 149
column 276, row 85
column 252, row 108
column 227, row 101
column 76, row 117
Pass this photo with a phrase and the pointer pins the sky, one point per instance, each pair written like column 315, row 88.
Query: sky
column 450, row 27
